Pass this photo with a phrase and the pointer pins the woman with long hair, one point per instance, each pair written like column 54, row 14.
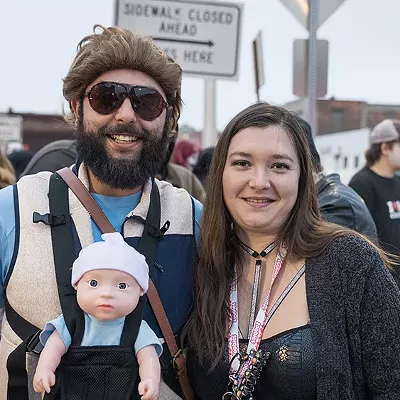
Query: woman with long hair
column 287, row 306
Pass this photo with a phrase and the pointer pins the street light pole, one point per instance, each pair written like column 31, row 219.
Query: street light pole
column 312, row 111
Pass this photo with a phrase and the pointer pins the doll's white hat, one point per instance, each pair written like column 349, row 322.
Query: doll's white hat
column 112, row 253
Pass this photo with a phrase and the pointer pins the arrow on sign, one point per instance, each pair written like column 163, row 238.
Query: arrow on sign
column 204, row 43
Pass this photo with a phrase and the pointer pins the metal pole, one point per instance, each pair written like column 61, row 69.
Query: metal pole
column 312, row 112
column 209, row 137
column 256, row 72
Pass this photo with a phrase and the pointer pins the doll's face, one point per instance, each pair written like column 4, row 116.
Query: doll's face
column 107, row 294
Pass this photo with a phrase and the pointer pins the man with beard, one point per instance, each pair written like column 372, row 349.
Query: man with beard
column 124, row 96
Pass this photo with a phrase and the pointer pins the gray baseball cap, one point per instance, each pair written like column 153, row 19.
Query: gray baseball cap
column 386, row 131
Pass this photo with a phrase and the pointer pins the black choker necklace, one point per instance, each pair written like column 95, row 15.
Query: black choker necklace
column 254, row 253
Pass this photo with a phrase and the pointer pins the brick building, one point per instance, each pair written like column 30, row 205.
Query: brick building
column 346, row 115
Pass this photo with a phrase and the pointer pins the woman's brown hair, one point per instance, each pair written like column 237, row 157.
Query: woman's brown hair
column 117, row 48
column 304, row 233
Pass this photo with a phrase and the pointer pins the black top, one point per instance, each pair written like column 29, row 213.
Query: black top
column 341, row 205
column 382, row 197
column 289, row 373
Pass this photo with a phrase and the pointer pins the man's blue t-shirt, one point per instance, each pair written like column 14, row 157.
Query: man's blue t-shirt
column 115, row 208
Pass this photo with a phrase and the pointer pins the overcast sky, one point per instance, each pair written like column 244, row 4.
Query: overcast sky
column 38, row 41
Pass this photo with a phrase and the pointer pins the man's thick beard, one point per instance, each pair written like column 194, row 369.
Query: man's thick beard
column 123, row 172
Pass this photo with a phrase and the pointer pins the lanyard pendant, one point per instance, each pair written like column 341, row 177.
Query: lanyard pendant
column 242, row 385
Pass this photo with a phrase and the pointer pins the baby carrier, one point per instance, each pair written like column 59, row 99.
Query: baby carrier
column 96, row 372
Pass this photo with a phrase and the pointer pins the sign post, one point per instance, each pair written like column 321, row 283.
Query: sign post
column 312, row 14
column 258, row 63
column 300, row 67
column 312, row 66
column 209, row 136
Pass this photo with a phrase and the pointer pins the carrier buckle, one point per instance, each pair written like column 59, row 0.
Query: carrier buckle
column 33, row 342
column 175, row 361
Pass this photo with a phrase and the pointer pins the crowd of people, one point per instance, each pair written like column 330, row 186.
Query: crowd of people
column 136, row 265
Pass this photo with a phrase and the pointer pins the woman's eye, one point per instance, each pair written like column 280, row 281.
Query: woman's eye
column 93, row 283
column 241, row 163
column 280, row 166
column 122, row 285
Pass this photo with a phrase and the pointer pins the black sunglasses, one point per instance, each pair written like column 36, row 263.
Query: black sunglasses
column 106, row 97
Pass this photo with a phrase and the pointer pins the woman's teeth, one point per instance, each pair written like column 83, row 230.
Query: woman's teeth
column 258, row 200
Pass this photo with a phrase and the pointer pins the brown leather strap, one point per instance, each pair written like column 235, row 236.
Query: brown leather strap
column 178, row 359
column 80, row 191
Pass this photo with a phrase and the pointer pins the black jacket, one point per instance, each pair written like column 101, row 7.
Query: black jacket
column 343, row 206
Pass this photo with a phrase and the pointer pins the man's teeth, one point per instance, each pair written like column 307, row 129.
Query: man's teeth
column 123, row 138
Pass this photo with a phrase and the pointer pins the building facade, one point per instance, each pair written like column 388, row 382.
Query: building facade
column 346, row 115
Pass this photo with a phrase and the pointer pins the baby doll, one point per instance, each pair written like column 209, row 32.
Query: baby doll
column 109, row 278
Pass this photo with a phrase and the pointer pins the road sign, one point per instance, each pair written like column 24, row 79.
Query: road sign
column 10, row 128
column 300, row 10
column 203, row 37
column 300, row 63
column 258, row 63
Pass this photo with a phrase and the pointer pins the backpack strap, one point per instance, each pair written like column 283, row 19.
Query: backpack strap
column 148, row 247
column 17, row 387
column 64, row 256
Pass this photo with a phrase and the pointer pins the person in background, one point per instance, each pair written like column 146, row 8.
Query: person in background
column 379, row 186
column 20, row 159
column 185, row 153
column 338, row 203
column 203, row 164
column 287, row 305
column 179, row 176
column 7, row 173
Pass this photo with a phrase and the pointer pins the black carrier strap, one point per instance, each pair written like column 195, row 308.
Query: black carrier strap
column 64, row 256
column 16, row 362
column 152, row 233
column 148, row 247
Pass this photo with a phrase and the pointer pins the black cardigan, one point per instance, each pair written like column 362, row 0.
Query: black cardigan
column 354, row 307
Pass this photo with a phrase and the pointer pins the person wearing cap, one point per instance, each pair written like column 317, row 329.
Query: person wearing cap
column 379, row 186
column 109, row 277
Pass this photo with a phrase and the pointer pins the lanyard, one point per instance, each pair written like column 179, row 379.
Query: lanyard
column 256, row 282
column 258, row 327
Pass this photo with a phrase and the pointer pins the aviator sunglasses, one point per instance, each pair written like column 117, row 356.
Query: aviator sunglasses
column 106, row 97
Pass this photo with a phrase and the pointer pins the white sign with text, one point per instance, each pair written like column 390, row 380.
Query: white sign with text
column 203, row 38
column 10, row 128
